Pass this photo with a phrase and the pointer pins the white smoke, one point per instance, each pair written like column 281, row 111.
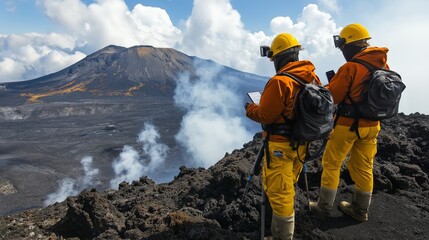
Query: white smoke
column 127, row 167
column 213, row 124
column 130, row 165
column 71, row 187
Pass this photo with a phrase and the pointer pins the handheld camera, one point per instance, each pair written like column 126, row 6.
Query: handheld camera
column 265, row 51
column 339, row 42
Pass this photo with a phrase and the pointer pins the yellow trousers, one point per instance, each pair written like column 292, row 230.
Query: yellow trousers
column 360, row 164
column 280, row 178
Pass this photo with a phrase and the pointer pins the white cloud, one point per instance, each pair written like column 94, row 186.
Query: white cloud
column 214, row 30
column 50, row 61
column 67, row 13
column 313, row 29
column 330, row 5
column 32, row 55
column 318, row 31
column 154, row 26
column 10, row 70
column 111, row 22
column 97, row 24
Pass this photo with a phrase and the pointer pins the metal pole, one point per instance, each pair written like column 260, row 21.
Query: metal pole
column 263, row 201
column 256, row 169
column 306, row 184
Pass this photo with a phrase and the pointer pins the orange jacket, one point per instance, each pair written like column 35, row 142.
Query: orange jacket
column 349, row 78
column 278, row 96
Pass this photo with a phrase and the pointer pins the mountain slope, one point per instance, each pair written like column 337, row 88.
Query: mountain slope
column 113, row 70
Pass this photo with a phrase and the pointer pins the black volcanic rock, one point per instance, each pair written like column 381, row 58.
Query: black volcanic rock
column 90, row 215
column 207, row 203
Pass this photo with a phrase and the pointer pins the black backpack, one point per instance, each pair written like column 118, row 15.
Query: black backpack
column 313, row 119
column 314, row 112
column 381, row 94
column 314, row 116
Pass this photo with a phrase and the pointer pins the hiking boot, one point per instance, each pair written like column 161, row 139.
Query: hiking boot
column 314, row 208
column 326, row 200
column 282, row 228
column 359, row 207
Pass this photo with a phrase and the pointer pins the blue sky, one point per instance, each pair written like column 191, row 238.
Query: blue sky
column 256, row 14
column 45, row 36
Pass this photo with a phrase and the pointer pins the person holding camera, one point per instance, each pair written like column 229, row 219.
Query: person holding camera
column 275, row 111
column 352, row 134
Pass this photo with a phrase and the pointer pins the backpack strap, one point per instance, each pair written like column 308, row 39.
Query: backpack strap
column 292, row 76
column 367, row 65
column 294, row 143
column 355, row 126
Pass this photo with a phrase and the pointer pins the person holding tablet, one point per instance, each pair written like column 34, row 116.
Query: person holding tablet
column 275, row 111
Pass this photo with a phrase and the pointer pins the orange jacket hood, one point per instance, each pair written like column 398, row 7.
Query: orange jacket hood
column 304, row 70
column 376, row 56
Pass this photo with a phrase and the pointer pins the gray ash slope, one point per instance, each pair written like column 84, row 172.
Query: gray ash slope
column 206, row 203
column 94, row 108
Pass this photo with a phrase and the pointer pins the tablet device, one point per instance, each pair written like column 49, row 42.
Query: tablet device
column 254, row 96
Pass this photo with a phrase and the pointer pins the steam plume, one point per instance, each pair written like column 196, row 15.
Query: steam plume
column 130, row 166
column 213, row 122
column 71, row 187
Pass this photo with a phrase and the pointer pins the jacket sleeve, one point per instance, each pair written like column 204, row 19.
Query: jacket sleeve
column 271, row 104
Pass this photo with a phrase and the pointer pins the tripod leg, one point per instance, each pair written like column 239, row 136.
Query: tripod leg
column 263, row 202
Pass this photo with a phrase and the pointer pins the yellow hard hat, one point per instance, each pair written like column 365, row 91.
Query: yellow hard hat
column 354, row 32
column 283, row 42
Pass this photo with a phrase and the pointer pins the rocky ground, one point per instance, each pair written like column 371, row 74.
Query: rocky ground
column 209, row 204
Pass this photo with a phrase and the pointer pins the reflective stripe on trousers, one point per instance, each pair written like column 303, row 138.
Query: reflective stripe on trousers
column 360, row 164
column 280, row 178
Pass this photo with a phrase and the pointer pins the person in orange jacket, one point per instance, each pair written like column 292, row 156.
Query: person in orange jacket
column 281, row 165
column 361, row 143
